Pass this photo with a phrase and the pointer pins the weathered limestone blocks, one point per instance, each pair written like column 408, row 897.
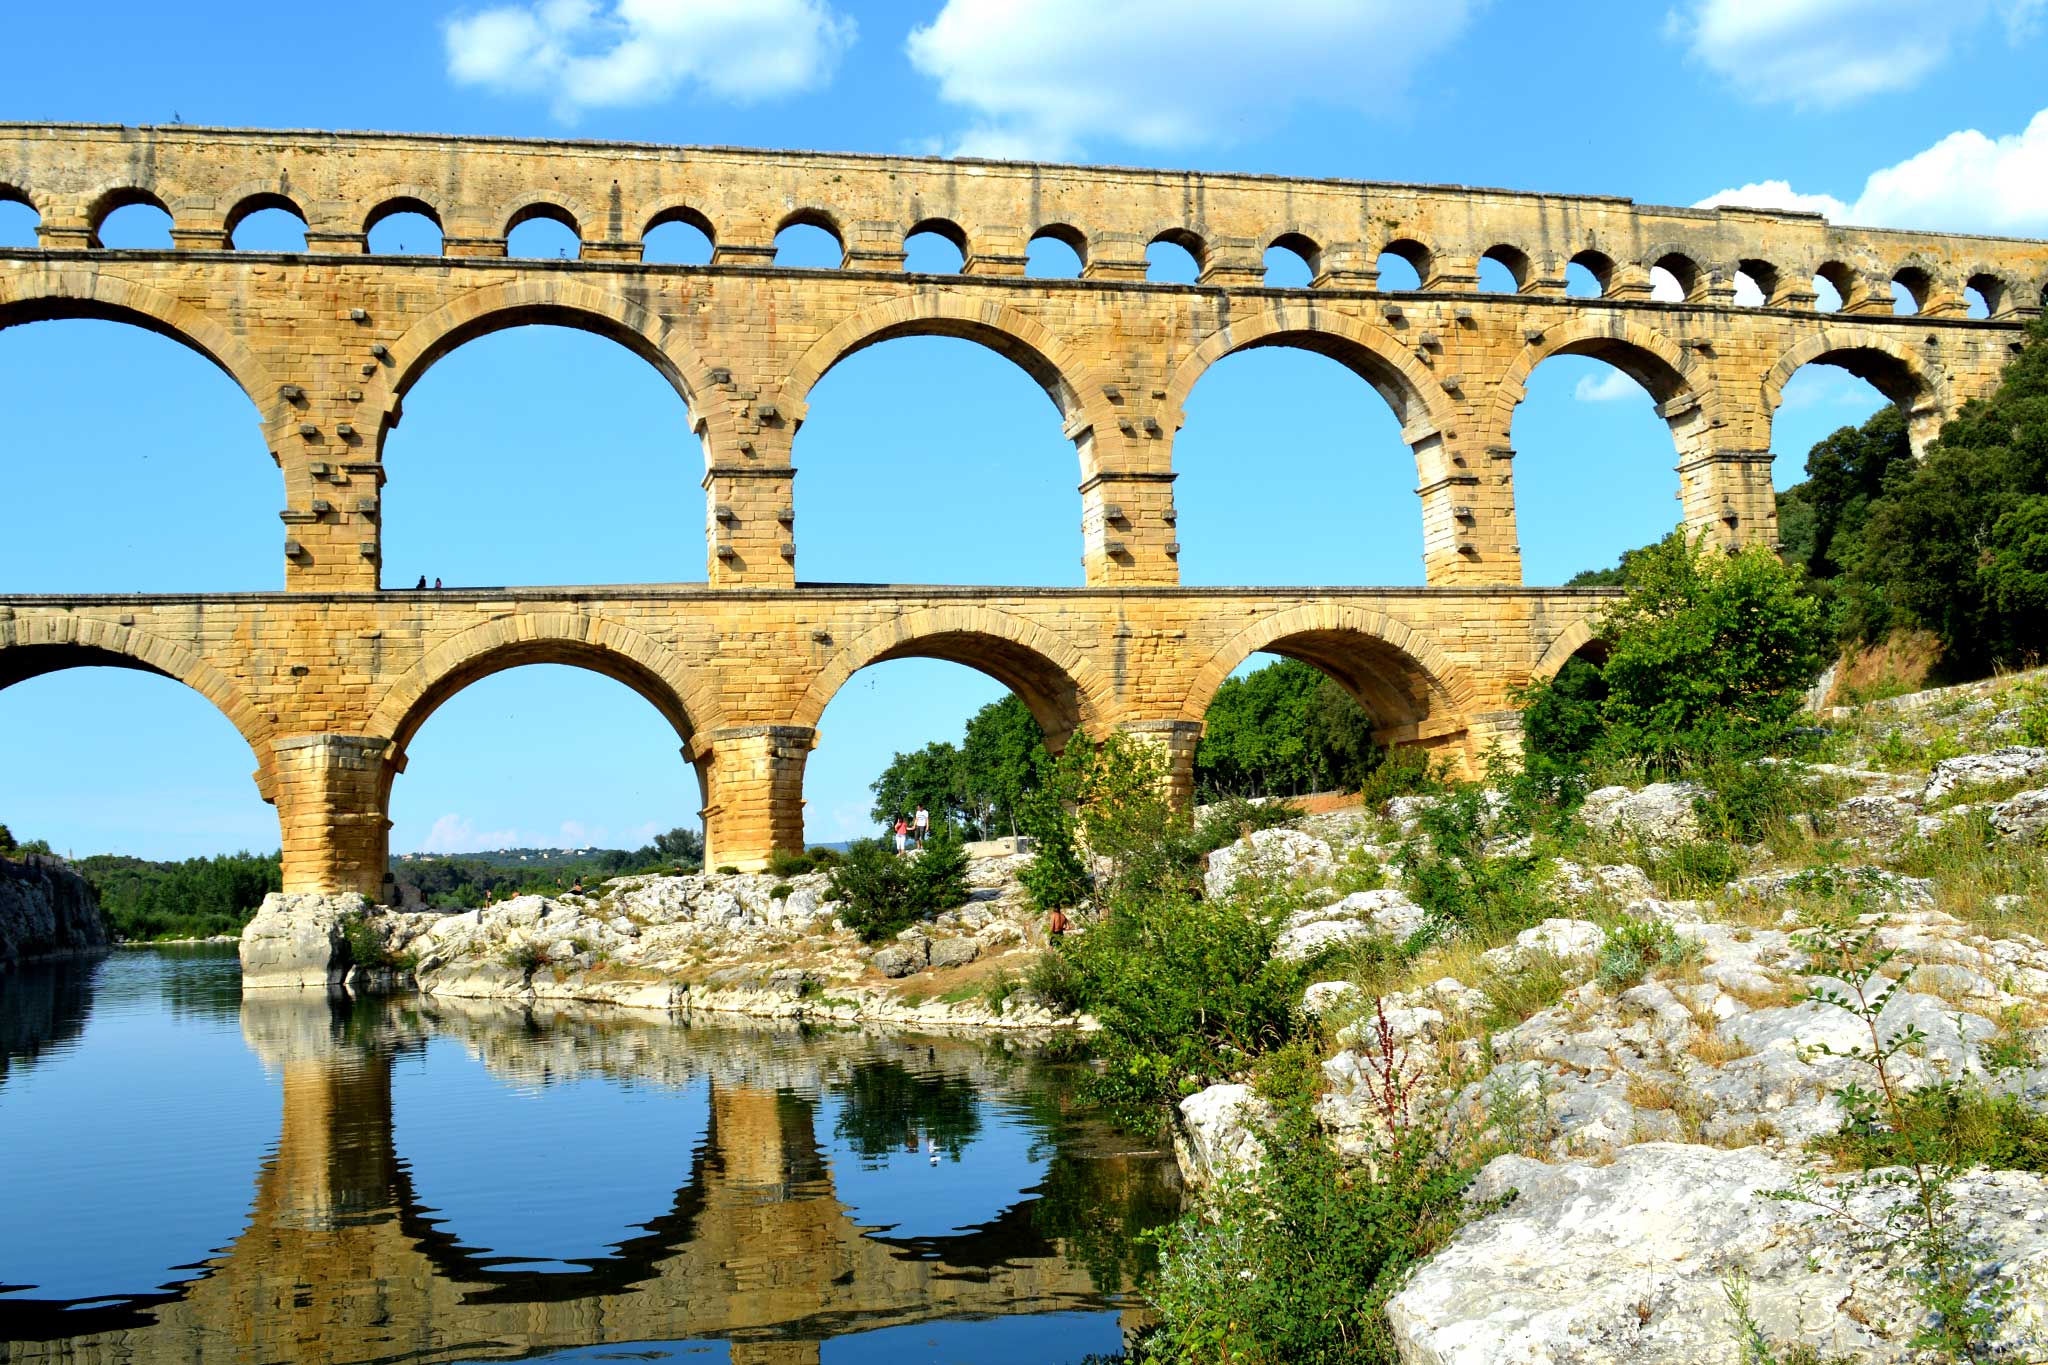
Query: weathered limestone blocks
column 46, row 909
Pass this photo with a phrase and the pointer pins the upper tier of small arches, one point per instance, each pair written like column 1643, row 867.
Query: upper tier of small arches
column 1040, row 221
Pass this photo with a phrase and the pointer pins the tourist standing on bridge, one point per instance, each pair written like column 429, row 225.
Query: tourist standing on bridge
column 921, row 824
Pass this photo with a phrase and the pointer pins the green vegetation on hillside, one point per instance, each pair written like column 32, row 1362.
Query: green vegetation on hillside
column 192, row 898
column 464, row 881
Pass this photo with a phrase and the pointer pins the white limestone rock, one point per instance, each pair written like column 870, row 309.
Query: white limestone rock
column 1662, row 813
column 1278, row 853
column 1571, row 939
column 1219, row 1133
column 1360, row 915
column 299, row 940
column 1571, row 881
column 1323, row 996
column 1624, row 1261
column 1976, row 770
column 2023, row 817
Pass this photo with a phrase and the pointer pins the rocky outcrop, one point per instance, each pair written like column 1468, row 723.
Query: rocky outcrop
column 1630, row 1261
column 1279, row 854
column 1659, row 814
column 1220, row 1133
column 300, row 940
column 46, row 909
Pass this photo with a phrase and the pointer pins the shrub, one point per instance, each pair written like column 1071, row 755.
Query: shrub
column 1233, row 817
column 1054, row 878
column 782, row 863
column 881, row 894
column 1748, row 801
column 780, row 891
column 1295, row 1266
column 526, row 957
column 1634, row 946
column 1405, row 771
column 1957, row 1126
column 1694, row 869
column 1450, row 874
column 1537, row 981
column 1053, row 979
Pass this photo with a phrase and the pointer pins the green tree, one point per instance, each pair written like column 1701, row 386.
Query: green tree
column 1822, row 519
column 929, row 777
column 1949, row 544
column 1285, row 728
column 1709, row 653
column 6, row 840
column 1001, row 759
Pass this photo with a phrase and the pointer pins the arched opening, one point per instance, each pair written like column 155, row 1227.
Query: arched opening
column 935, row 247
column 1292, row 262
column 1056, row 252
column 1589, row 420
column 1503, row 270
column 678, row 236
column 403, row 227
column 1174, row 257
column 1241, row 455
column 596, row 764
column 1674, row 278
column 809, row 240
column 1282, row 727
column 1404, row 701
column 167, row 488
column 543, row 232
column 131, row 220
column 1910, row 288
column 1985, row 294
column 563, row 1222
column 1826, row 402
column 994, row 688
column 266, row 222
column 1588, row 275
column 585, row 471
column 1834, row 284
column 972, row 482
column 1756, row 284
column 1403, row 266
column 18, row 219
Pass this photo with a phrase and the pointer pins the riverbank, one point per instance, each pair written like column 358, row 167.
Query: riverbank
column 47, row 910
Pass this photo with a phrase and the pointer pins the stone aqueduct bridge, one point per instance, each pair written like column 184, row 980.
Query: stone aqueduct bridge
column 329, row 680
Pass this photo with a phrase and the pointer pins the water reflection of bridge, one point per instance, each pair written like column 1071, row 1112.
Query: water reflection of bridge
column 340, row 1261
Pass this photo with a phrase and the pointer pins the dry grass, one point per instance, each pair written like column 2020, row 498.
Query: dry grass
column 1715, row 1050
column 1646, row 1092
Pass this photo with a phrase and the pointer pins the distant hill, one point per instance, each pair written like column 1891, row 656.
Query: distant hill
column 525, row 857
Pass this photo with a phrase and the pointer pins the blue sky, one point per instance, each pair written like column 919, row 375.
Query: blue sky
column 1896, row 112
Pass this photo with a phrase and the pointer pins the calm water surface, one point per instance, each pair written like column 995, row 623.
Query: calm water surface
column 189, row 1176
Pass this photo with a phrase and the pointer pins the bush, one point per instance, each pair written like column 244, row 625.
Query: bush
column 782, row 863
column 1186, row 992
column 1295, row 1267
column 1451, row 875
column 1634, row 946
column 1233, row 817
column 1406, row 771
column 881, row 894
column 1701, row 868
column 1955, row 1125
column 1054, row 878
column 780, row 891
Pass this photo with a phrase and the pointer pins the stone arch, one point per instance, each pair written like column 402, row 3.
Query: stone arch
column 1064, row 691
column 936, row 312
column 1576, row 635
column 560, row 300
column 119, row 195
column 1876, row 355
column 551, row 206
column 387, row 200
column 35, row 644
column 254, row 197
column 1642, row 353
column 1375, row 355
column 1414, row 691
column 56, row 292
column 578, row 639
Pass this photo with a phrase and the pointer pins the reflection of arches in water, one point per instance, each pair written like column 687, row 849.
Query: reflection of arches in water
column 336, row 1193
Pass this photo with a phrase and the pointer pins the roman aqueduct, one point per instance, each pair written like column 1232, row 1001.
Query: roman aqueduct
column 328, row 679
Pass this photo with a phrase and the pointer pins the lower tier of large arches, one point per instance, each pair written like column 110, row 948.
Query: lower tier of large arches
column 329, row 690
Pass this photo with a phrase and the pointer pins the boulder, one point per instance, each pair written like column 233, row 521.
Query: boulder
column 1324, row 996
column 2022, row 817
column 299, row 940
column 1219, row 1133
column 1570, row 939
column 1267, row 853
column 901, row 959
column 1360, row 915
column 1616, row 881
column 2008, row 764
column 1600, row 1263
column 1661, row 813
column 954, row 952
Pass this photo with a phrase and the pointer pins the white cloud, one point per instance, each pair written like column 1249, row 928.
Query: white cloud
column 1611, row 386
column 1050, row 77
column 641, row 51
column 457, row 834
column 1827, row 53
column 1967, row 182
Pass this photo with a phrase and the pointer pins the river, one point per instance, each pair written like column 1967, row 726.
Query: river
column 186, row 1175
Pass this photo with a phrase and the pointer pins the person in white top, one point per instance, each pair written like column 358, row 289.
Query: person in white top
column 921, row 824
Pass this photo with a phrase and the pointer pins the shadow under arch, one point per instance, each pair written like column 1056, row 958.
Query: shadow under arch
column 1063, row 690
column 548, row 302
column 581, row 641
column 1414, row 692
column 31, row 646
column 1420, row 404
column 1645, row 355
column 1878, row 359
column 1027, row 344
column 56, row 293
